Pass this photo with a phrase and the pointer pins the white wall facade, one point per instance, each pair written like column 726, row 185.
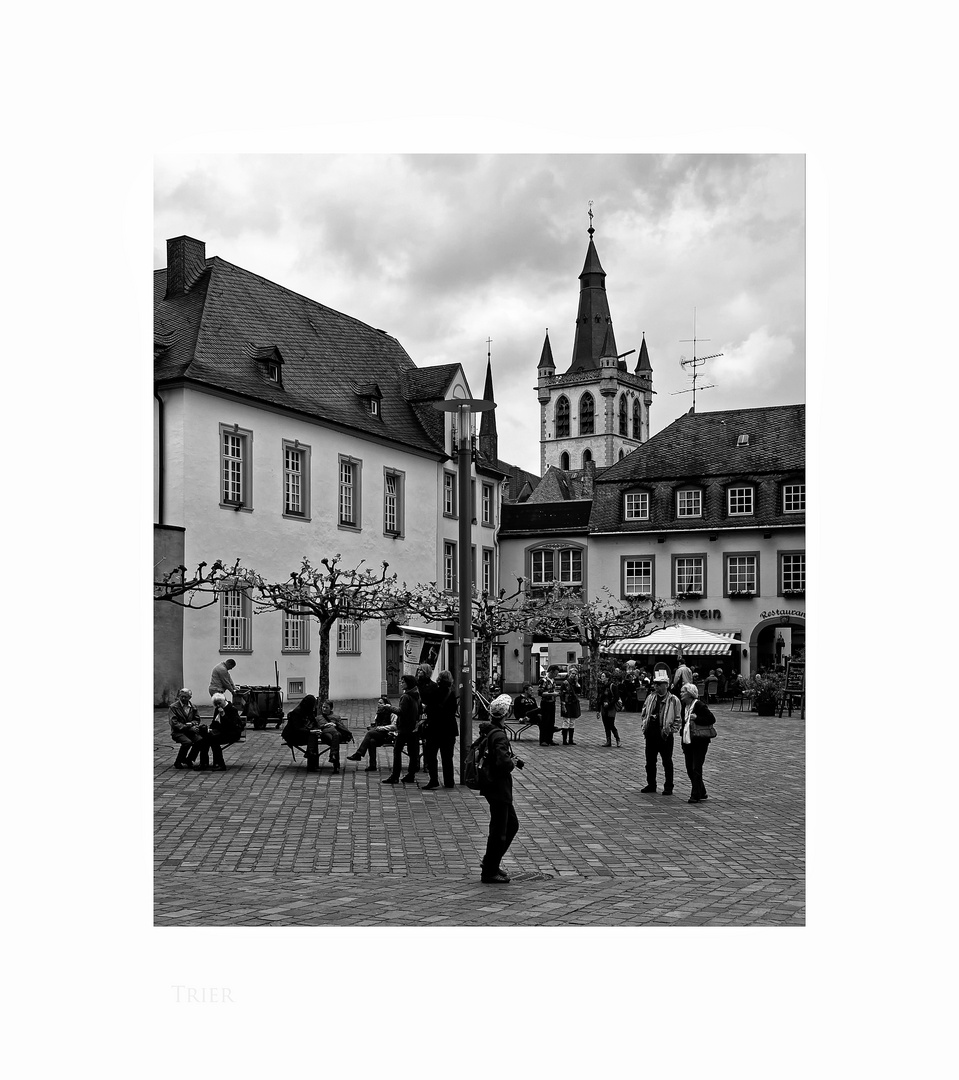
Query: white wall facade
column 262, row 537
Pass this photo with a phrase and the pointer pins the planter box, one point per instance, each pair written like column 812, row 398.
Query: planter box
column 741, row 596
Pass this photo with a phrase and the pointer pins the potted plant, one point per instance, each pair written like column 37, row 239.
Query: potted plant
column 741, row 594
column 765, row 692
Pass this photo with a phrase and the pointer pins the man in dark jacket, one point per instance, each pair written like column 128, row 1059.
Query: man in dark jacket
column 503, row 823
column 406, row 737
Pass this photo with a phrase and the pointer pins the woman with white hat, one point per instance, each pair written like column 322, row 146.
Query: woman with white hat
column 500, row 761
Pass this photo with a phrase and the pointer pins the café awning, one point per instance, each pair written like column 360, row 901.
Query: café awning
column 692, row 641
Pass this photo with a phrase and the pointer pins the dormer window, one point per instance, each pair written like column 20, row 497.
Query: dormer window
column 740, row 501
column 689, row 503
column 742, row 440
column 374, row 407
column 370, row 396
column 270, row 362
column 273, row 370
column 636, row 506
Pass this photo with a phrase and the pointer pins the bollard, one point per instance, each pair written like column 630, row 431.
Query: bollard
column 312, row 751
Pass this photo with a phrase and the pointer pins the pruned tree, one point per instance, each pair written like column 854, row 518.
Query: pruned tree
column 201, row 589
column 326, row 593
column 492, row 615
column 597, row 623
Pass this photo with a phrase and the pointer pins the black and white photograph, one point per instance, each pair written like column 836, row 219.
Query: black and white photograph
column 480, row 565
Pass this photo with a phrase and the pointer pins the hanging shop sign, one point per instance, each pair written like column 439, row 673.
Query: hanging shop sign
column 421, row 646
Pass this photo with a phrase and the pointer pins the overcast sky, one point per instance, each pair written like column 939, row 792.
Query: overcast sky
column 444, row 251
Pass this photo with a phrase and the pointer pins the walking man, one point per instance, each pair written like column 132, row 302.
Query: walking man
column 503, row 823
column 683, row 675
column 661, row 717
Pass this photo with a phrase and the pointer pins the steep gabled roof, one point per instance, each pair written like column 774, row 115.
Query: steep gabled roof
column 211, row 335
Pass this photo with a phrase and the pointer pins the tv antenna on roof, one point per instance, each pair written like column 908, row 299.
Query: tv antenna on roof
column 695, row 362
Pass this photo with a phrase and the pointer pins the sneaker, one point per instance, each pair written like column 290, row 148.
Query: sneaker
column 391, row 780
column 408, row 779
column 649, row 789
column 667, row 791
column 499, row 878
column 703, row 798
column 371, row 768
column 354, row 757
column 694, row 800
column 430, row 786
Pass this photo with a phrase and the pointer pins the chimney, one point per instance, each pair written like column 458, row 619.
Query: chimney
column 185, row 262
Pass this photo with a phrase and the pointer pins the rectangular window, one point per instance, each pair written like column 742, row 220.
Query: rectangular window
column 741, row 574
column 638, row 577
column 794, row 498
column 740, row 501
column 296, row 480
column 347, row 636
column 541, row 567
column 349, row 493
column 487, row 504
column 637, row 506
column 236, row 476
column 794, row 572
column 487, row 570
column 295, row 633
column 393, row 509
column 449, row 567
column 295, row 688
column 449, row 494
column 571, row 567
column 689, row 503
column 689, row 574
column 235, row 621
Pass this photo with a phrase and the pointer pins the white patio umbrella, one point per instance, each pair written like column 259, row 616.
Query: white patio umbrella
column 692, row 640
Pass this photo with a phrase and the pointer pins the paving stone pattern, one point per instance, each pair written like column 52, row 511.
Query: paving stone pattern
column 268, row 843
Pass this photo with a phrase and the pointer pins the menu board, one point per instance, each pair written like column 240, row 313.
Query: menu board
column 795, row 677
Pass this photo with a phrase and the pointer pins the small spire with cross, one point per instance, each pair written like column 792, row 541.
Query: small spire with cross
column 591, row 230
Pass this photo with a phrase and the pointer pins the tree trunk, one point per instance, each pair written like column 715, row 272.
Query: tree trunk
column 593, row 674
column 324, row 688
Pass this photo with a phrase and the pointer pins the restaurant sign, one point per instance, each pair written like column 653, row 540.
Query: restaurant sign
column 693, row 613
column 779, row 614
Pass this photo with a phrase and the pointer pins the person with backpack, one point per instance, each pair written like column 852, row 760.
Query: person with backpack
column 496, row 787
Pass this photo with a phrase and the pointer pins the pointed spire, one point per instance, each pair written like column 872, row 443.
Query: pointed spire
column 546, row 357
column 488, row 439
column 643, row 363
column 593, row 319
column 609, row 344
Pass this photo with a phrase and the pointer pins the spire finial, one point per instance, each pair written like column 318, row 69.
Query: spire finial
column 591, row 230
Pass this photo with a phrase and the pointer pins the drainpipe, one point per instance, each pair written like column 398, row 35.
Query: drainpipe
column 160, row 462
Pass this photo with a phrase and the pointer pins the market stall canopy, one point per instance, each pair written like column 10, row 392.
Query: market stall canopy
column 693, row 642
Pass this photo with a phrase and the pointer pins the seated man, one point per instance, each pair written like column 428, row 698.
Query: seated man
column 525, row 706
column 300, row 721
column 185, row 728
column 380, row 731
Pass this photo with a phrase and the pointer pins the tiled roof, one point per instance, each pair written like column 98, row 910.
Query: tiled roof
column 534, row 519
column 700, row 449
column 209, row 336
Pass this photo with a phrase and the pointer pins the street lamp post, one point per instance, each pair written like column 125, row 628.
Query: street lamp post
column 462, row 408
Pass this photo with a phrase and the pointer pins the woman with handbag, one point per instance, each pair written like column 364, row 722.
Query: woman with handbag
column 608, row 701
column 697, row 731
column 571, row 708
column 547, row 706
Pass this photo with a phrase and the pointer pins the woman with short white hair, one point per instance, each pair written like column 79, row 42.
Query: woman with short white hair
column 697, row 731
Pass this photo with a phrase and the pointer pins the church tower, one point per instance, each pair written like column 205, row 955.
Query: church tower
column 598, row 410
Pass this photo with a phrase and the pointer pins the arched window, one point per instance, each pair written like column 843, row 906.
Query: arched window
column 637, row 421
column 587, row 413
column 622, row 454
column 562, row 418
column 564, row 460
column 587, row 457
column 623, row 426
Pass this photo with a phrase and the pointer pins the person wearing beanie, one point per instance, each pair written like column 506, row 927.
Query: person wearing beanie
column 503, row 823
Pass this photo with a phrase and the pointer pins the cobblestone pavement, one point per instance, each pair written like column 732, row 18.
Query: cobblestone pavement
column 267, row 843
